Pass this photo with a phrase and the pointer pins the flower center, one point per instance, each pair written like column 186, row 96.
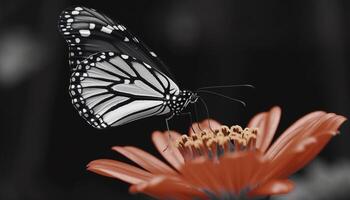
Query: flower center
column 215, row 143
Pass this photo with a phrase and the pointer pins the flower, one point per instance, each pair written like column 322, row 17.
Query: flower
column 218, row 162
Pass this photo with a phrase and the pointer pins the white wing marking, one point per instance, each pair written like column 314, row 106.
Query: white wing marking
column 87, row 82
column 97, row 73
column 128, row 109
column 91, row 102
column 88, row 92
column 103, row 107
column 162, row 79
column 147, row 75
column 119, row 62
column 139, row 115
column 107, row 66
column 173, row 87
column 137, row 88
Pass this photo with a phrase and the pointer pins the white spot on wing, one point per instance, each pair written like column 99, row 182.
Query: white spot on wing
column 92, row 26
column 121, row 27
column 153, row 54
column 106, row 30
column 84, row 33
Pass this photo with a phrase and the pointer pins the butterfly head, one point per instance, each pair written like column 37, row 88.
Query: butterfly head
column 189, row 97
column 193, row 98
column 180, row 101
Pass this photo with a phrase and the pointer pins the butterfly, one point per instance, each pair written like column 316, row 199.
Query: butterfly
column 116, row 78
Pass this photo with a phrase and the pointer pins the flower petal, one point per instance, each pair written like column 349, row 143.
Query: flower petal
column 241, row 167
column 305, row 152
column 145, row 160
column 166, row 147
column 319, row 124
column 203, row 174
column 119, row 170
column 203, row 125
column 297, row 155
column 165, row 187
column 232, row 172
column 298, row 127
column 267, row 124
column 257, row 120
column 273, row 187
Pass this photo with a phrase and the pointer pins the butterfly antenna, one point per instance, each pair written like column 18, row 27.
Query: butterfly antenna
column 224, row 96
column 196, row 113
column 207, row 110
column 227, row 86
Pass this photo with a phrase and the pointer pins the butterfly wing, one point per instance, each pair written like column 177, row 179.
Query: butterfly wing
column 88, row 32
column 111, row 89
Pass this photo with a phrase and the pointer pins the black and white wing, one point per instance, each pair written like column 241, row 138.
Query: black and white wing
column 111, row 89
column 88, row 32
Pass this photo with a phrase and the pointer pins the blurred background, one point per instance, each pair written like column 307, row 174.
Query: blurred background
column 296, row 54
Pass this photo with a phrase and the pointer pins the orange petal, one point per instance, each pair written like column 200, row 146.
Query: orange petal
column 296, row 133
column 306, row 152
column 298, row 127
column 145, row 160
column 233, row 172
column 320, row 123
column 201, row 174
column 267, row 124
column 203, row 125
column 297, row 155
column 164, row 187
column 257, row 120
column 273, row 187
column 119, row 170
column 304, row 120
column 242, row 169
column 165, row 146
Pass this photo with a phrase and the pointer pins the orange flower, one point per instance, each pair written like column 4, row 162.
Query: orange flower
column 219, row 162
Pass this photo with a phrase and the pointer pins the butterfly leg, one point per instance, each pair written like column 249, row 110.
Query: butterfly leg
column 167, row 122
column 167, row 126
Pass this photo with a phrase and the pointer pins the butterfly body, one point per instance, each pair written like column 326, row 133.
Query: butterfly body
column 116, row 79
column 178, row 102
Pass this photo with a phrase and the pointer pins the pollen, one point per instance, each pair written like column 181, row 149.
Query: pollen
column 217, row 142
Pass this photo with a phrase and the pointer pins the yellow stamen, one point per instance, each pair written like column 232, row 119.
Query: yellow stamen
column 214, row 143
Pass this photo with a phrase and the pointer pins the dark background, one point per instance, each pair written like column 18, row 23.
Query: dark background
column 296, row 54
